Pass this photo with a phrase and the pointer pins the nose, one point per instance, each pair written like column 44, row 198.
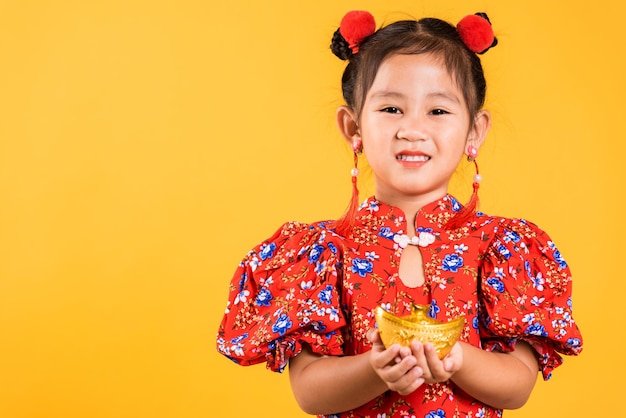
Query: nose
column 412, row 128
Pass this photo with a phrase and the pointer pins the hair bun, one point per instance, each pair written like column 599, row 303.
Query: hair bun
column 355, row 26
column 476, row 32
column 340, row 47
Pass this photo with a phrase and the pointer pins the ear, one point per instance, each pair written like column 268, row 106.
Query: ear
column 479, row 129
column 348, row 126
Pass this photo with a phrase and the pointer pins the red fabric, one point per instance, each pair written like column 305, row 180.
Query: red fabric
column 476, row 33
column 307, row 284
column 356, row 26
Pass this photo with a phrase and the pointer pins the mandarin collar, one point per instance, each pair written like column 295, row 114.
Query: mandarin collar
column 432, row 216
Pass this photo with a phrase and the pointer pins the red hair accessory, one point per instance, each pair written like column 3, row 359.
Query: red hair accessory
column 476, row 32
column 356, row 26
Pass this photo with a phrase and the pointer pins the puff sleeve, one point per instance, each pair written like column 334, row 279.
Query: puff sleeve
column 285, row 292
column 526, row 294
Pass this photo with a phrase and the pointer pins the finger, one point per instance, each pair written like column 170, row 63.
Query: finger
column 453, row 361
column 409, row 382
column 400, row 375
column 381, row 357
column 417, row 350
column 436, row 366
column 410, row 388
column 373, row 335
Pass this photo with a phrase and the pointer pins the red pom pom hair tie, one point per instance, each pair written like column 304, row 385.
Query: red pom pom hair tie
column 356, row 26
column 476, row 33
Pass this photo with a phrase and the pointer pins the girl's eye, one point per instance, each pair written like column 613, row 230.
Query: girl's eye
column 390, row 109
column 438, row 112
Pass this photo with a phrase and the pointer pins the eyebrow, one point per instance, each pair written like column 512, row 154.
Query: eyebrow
column 383, row 94
column 444, row 95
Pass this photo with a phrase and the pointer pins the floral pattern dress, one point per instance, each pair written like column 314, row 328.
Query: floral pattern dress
column 306, row 284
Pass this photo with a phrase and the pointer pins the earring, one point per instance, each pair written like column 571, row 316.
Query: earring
column 346, row 222
column 472, row 153
column 357, row 147
column 463, row 215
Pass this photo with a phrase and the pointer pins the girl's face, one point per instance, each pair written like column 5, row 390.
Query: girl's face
column 414, row 127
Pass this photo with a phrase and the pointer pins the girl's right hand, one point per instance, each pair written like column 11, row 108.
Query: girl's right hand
column 396, row 366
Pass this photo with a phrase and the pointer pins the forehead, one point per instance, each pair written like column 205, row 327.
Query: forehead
column 412, row 73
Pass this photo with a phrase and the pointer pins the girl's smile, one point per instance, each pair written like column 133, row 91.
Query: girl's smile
column 412, row 158
column 414, row 127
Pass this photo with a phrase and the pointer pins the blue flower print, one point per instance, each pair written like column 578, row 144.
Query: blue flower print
column 537, row 301
column 439, row 413
column 475, row 322
column 511, row 236
column 320, row 267
column 315, row 253
column 559, row 259
column 362, row 266
column 332, row 248
column 461, row 248
column 242, row 296
column 529, row 318
column 385, row 232
column 373, row 206
column 538, row 282
column 239, row 339
column 536, row 329
column 333, row 314
column 496, row 284
column 456, row 206
column 422, row 229
column 452, row 262
column 499, row 272
column 282, row 324
column 326, row 295
column 254, row 263
column 504, row 251
column 434, row 309
column 371, row 255
column 267, row 251
column 242, row 281
column 264, row 297
column 318, row 327
column 574, row 342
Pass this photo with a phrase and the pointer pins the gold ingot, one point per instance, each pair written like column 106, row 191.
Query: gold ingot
column 418, row 326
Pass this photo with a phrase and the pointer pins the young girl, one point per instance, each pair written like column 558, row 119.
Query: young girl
column 414, row 92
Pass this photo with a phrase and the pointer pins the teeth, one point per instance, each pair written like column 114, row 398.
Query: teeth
column 403, row 157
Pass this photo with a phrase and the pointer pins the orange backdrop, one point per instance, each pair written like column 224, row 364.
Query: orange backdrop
column 145, row 146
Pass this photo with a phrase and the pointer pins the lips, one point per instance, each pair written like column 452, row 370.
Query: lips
column 412, row 156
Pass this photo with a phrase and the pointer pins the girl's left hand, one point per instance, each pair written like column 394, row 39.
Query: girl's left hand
column 434, row 369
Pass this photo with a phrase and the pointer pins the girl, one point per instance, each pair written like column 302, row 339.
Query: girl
column 414, row 92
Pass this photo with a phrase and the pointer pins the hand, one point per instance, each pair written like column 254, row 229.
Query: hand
column 396, row 366
column 433, row 369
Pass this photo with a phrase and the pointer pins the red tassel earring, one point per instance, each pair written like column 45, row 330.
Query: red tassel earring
column 463, row 215
column 346, row 222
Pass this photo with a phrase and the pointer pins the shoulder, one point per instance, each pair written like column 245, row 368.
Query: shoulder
column 508, row 238
column 498, row 228
column 294, row 241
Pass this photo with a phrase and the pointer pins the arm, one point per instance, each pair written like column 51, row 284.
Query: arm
column 326, row 385
column 502, row 380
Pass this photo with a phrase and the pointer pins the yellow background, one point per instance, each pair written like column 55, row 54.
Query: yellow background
column 145, row 146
